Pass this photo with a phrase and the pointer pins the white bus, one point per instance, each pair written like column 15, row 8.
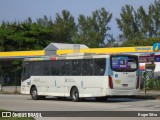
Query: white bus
column 81, row 76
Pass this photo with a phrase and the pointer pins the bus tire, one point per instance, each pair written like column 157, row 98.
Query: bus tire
column 75, row 94
column 34, row 93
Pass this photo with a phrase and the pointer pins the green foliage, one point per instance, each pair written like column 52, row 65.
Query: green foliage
column 16, row 65
column 128, row 23
column 92, row 30
column 158, row 84
column 139, row 27
column 152, row 83
column 64, row 27
column 29, row 35
column 24, row 36
column 142, row 42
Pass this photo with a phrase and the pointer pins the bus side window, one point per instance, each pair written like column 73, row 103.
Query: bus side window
column 25, row 71
column 37, row 68
column 65, row 67
column 87, row 67
column 46, row 67
column 99, row 66
column 76, row 67
column 55, row 68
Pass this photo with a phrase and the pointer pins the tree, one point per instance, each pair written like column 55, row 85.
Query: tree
column 26, row 35
column 140, row 27
column 129, row 23
column 154, row 13
column 64, row 27
column 112, row 42
column 2, row 35
column 92, row 30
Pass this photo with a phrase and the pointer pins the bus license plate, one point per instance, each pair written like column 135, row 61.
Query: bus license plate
column 118, row 81
column 125, row 85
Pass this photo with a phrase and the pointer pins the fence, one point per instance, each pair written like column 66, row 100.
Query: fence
column 10, row 81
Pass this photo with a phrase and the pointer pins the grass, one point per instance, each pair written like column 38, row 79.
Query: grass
column 13, row 118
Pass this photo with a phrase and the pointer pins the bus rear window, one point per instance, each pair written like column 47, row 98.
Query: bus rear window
column 124, row 63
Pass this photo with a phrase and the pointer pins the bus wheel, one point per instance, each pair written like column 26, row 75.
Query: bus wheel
column 75, row 94
column 34, row 93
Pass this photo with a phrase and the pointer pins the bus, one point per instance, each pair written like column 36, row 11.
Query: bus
column 81, row 76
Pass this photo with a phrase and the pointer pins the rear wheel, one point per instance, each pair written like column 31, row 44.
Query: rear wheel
column 34, row 93
column 75, row 94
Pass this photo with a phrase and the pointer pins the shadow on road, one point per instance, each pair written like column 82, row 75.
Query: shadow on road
column 108, row 100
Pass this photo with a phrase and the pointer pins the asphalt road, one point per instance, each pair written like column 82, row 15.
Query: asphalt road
column 25, row 103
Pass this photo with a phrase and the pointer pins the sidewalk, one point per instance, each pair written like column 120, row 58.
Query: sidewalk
column 150, row 92
column 10, row 89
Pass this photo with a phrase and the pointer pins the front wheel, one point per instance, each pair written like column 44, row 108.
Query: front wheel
column 75, row 94
column 34, row 93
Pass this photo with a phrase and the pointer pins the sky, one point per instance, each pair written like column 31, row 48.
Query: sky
column 11, row 10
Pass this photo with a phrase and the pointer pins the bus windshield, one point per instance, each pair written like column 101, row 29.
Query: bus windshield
column 124, row 63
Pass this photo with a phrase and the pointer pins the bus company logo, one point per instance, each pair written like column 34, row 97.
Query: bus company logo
column 6, row 114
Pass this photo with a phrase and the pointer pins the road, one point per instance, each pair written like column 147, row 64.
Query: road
column 25, row 103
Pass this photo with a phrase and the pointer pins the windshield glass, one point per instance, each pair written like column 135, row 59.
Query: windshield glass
column 124, row 63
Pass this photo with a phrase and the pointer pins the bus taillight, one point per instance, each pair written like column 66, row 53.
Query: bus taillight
column 137, row 86
column 110, row 82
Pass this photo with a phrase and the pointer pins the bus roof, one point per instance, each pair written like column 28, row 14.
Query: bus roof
column 72, row 56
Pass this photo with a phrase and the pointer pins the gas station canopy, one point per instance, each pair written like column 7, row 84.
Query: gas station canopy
column 61, row 48
column 51, row 49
